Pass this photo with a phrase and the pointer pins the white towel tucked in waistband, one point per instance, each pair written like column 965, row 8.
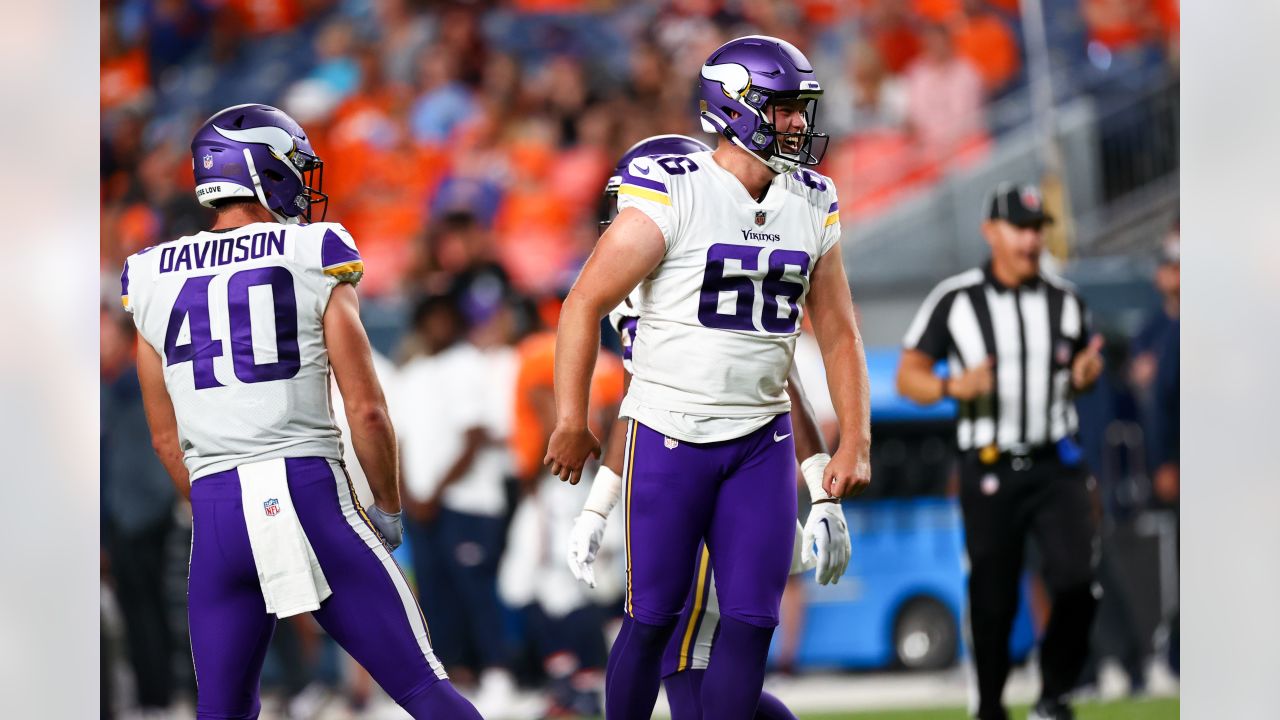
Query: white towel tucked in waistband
column 291, row 578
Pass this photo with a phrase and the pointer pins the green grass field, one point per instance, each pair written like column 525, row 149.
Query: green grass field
column 1160, row 709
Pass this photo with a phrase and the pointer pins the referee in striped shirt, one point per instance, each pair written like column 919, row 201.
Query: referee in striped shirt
column 1018, row 347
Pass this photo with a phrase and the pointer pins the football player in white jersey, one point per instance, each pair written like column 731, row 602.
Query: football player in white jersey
column 727, row 249
column 688, row 652
column 239, row 327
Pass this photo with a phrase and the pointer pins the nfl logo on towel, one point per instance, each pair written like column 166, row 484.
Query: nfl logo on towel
column 272, row 507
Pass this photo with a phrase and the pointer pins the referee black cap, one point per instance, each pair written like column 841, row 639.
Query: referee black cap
column 1020, row 205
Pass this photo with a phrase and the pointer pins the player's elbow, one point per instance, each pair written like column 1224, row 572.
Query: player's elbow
column 370, row 418
column 165, row 443
column 584, row 306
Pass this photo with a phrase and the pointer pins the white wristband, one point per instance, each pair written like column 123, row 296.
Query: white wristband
column 812, row 469
column 606, row 488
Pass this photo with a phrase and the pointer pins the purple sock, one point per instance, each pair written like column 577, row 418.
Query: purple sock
column 684, row 694
column 735, row 673
column 440, row 702
column 634, row 672
column 771, row 708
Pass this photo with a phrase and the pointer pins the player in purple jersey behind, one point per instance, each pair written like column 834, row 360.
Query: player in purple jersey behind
column 239, row 328
column 726, row 249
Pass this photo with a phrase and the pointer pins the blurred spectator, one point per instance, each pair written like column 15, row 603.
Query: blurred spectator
column 985, row 39
column 449, row 422
column 944, row 98
column 403, row 33
column 124, row 71
column 1155, row 373
column 443, row 101
column 889, row 26
column 873, row 100
column 138, row 497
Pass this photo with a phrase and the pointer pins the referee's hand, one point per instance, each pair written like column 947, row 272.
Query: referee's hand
column 974, row 382
column 1087, row 365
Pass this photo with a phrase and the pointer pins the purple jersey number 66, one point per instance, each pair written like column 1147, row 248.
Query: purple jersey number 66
column 777, row 284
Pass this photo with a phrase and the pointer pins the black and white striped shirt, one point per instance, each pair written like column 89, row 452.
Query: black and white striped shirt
column 1032, row 332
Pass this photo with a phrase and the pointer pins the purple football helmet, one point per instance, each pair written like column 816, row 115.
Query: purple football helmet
column 655, row 146
column 745, row 75
column 257, row 151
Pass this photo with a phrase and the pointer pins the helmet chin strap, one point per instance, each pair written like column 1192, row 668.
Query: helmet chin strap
column 776, row 164
column 262, row 196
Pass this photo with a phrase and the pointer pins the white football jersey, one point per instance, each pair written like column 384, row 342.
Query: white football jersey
column 720, row 314
column 237, row 318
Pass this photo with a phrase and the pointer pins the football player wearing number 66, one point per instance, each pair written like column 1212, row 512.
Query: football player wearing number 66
column 239, row 327
column 726, row 250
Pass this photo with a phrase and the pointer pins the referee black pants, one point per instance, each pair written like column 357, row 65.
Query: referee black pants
column 1003, row 503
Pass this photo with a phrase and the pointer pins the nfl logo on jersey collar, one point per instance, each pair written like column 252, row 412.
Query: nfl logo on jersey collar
column 760, row 218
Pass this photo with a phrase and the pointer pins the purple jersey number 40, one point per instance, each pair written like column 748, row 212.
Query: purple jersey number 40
column 201, row 348
column 778, row 282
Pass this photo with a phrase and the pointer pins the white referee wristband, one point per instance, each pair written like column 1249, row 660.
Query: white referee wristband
column 812, row 468
column 606, row 488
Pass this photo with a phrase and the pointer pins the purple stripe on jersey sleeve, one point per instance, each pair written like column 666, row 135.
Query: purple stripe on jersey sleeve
column 640, row 181
column 834, row 207
column 124, row 280
column 335, row 252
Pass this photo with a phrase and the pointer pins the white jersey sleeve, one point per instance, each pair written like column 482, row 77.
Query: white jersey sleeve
column 720, row 314
column 237, row 318
column 647, row 186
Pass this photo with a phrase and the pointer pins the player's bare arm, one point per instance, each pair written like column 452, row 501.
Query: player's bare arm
column 631, row 248
column 372, row 435
column 160, row 418
column 836, row 328
column 917, row 380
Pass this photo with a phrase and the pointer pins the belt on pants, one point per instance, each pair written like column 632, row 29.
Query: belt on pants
column 1019, row 459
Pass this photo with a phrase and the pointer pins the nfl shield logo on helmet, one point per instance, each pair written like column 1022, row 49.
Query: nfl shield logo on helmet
column 760, row 217
column 207, row 161
column 272, row 507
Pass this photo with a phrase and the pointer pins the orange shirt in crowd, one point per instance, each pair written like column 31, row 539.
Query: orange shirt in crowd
column 123, row 78
column 535, row 360
column 937, row 10
column 266, row 17
column 990, row 46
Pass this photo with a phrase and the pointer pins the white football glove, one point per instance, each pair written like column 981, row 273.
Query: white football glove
column 389, row 525
column 584, row 543
column 827, row 530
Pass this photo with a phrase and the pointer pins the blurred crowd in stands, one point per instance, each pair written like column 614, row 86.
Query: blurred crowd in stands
column 514, row 112
column 466, row 146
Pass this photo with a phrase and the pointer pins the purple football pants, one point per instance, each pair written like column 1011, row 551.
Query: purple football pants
column 371, row 613
column 738, row 495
